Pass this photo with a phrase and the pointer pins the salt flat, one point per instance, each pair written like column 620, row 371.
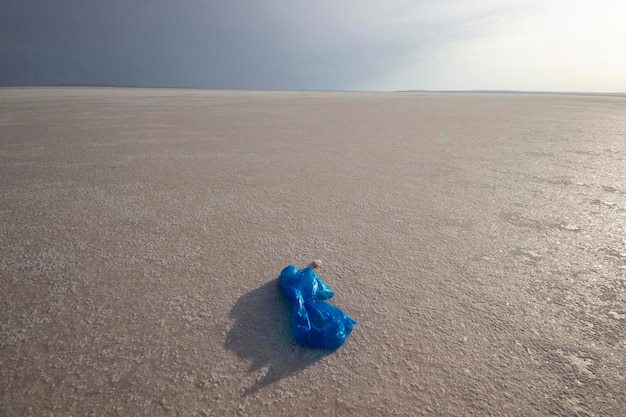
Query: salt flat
column 479, row 240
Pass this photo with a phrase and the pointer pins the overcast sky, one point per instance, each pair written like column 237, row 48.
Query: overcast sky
column 555, row 45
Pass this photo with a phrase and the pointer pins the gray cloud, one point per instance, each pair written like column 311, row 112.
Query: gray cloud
column 244, row 44
column 296, row 44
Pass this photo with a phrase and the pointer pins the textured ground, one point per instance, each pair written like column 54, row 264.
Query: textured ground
column 480, row 240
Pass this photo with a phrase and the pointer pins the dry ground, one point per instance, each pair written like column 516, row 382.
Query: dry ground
column 480, row 240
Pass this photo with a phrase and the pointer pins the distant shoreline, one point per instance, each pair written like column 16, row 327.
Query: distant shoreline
column 565, row 93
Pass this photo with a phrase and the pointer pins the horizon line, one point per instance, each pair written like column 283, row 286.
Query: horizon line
column 468, row 91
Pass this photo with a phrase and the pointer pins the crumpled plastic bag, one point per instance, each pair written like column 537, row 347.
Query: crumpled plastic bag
column 315, row 322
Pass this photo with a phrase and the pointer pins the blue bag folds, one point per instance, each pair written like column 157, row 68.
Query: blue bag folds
column 315, row 322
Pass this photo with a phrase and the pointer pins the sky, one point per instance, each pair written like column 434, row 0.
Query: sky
column 531, row 45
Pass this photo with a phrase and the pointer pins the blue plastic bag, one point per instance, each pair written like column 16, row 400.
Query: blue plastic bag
column 315, row 322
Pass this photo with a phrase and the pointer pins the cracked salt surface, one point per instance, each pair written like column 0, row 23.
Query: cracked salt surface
column 142, row 232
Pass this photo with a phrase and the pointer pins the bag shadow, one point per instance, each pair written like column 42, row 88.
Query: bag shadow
column 261, row 334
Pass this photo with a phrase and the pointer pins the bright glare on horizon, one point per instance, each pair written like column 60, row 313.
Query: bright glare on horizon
column 550, row 45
